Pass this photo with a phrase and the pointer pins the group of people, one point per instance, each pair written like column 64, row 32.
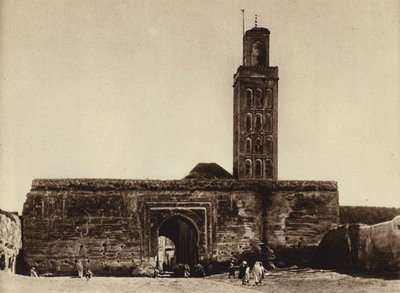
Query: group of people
column 183, row 270
column 81, row 270
column 244, row 272
column 79, row 267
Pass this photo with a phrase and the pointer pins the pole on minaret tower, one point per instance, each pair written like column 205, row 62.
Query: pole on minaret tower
column 255, row 20
column 242, row 10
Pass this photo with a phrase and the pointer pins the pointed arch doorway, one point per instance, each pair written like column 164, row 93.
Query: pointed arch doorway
column 184, row 234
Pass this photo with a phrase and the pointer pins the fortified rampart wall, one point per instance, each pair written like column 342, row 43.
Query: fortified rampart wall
column 112, row 225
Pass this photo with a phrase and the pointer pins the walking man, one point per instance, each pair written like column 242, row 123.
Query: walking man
column 231, row 270
column 79, row 267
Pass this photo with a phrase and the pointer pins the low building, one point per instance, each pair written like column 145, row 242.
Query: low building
column 10, row 240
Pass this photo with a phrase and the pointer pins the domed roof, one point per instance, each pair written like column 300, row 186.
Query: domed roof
column 203, row 171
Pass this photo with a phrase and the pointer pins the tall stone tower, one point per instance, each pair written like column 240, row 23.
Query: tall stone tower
column 255, row 110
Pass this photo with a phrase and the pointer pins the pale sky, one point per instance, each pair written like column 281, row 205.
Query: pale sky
column 143, row 89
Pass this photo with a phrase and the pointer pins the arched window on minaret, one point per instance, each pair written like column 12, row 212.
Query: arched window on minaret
column 268, row 169
column 268, row 123
column 269, row 99
column 259, row 146
column 248, row 168
column 258, row 122
column 248, row 145
column 257, row 54
column 259, row 98
column 248, row 122
column 258, row 168
column 269, row 147
column 249, row 98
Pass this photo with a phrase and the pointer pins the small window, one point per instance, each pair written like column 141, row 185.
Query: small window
column 268, row 169
column 248, row 145
column 258, row 168
column 259, row 146
column 248, row 168
column 269, row 147
column 269, row 99
column 248, row 122
column 249, row 98
column 259, row 99
column 268, row 123
column 258, row 122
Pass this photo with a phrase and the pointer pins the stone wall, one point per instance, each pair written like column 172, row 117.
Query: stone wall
column 10, row 240
column 95, row 227
column 359, row 246
column 297, row 221
column 112, row 225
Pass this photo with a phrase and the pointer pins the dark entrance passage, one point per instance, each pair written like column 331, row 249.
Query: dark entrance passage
column 184, row 235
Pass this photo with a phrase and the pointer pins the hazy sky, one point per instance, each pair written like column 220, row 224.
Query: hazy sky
column 143, row 89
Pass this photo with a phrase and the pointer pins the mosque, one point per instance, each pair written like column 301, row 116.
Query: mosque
column 210, row 217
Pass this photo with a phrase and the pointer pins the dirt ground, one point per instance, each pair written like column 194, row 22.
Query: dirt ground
column 307, row 280
column 277, row 281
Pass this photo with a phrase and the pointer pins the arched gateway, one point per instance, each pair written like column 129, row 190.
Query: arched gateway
column 185, row 236
column 187, row 224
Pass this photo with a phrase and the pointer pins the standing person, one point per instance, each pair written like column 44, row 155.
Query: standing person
column 231, row 270
column 242, row 269
column 263, row 271
column 258, row 272
column 246, row 278
column 79, row 267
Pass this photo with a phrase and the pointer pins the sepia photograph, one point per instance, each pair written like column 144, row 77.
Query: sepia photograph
column 199, row 146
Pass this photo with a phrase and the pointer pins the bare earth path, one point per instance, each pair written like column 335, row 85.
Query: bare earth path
column 283, row 281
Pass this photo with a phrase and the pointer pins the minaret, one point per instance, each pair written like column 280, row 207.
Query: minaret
column 255, row 110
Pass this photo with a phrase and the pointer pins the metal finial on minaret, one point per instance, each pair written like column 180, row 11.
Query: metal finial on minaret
column 255, row 21
column 242, row 10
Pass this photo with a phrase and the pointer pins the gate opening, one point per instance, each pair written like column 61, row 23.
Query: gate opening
column 166, row 254
column 184, row 236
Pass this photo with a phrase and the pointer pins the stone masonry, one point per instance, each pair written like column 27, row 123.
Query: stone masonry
column 113, row 224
